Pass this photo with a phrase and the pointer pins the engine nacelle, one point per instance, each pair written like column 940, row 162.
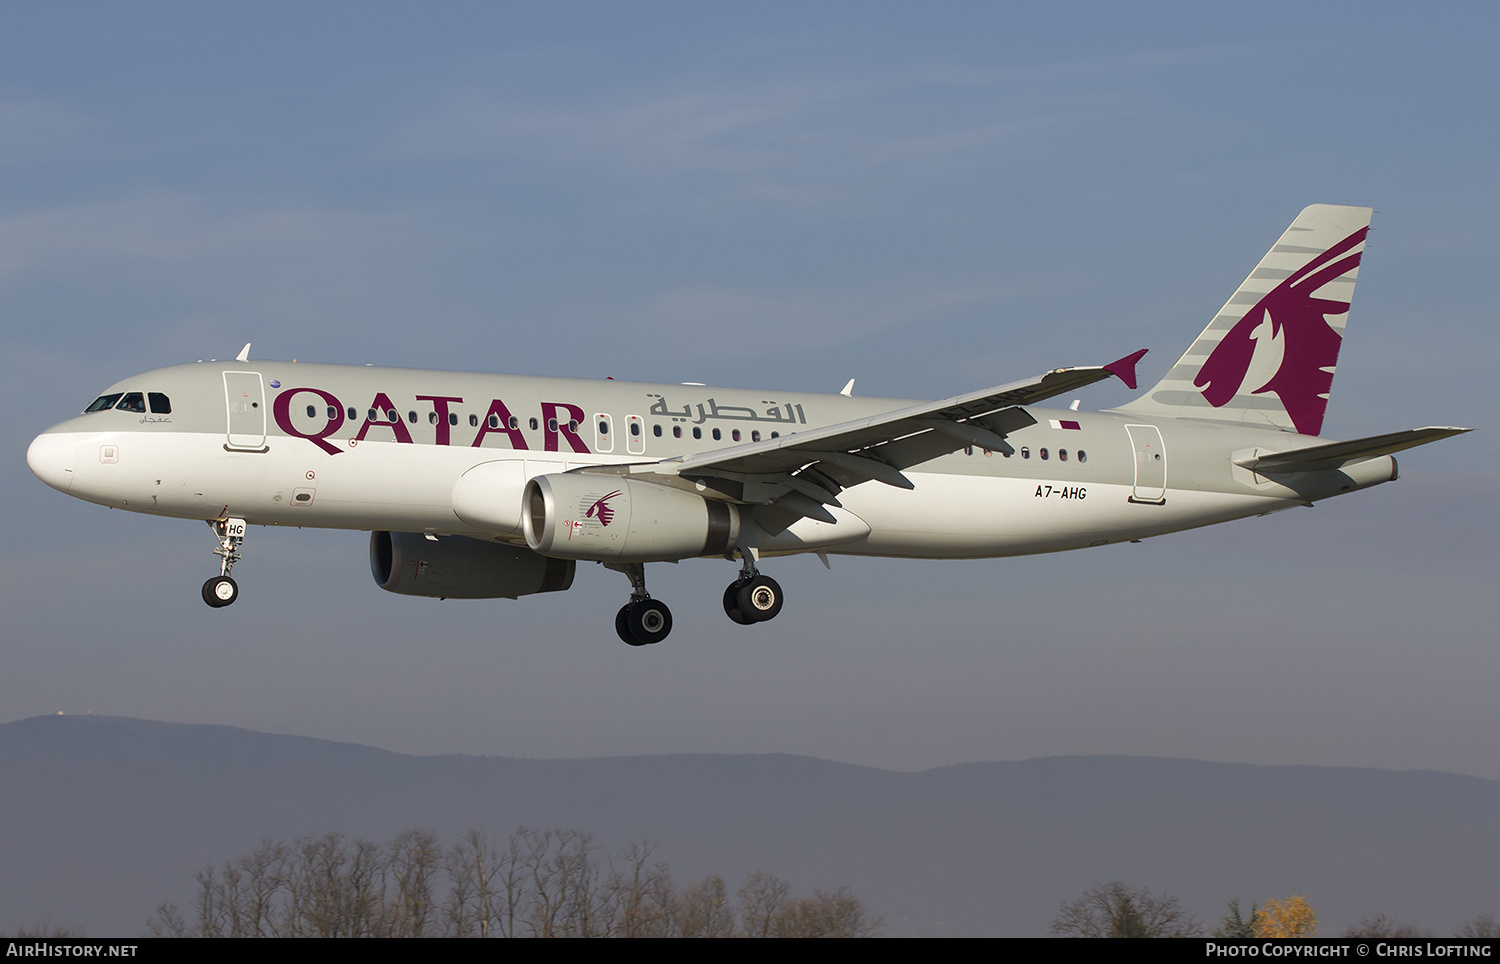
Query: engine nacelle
column 612, row 518
column 457, row 567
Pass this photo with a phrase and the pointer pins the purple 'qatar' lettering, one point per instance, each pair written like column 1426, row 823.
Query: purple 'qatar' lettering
column 575, row 414
column 501, row 414
column 600, row 509
column 440, row 408
column 282, row 409
column 1309, row 345
column 382, row 404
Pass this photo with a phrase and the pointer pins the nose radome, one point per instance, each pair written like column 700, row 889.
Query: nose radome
column 51, row 459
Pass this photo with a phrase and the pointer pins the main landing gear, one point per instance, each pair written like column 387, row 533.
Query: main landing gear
column 642, row 621
column 752, row 598
column 221, row 590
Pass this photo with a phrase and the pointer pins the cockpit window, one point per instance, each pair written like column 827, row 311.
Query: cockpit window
column 102, row 403
column 160, row 404
column 132, row 402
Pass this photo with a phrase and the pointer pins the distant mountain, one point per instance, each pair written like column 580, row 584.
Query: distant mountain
column 103, row 818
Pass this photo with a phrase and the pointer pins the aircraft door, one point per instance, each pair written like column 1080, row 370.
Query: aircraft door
column 245, row 398
column 1150, row 464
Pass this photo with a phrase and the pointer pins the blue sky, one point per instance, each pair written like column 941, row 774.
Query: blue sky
column 930, row 200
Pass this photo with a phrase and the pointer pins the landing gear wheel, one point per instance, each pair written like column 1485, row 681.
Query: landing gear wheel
column 220, row 591
column 732, row 605
column 649, row 621
column 759, row 599
column 622, row 626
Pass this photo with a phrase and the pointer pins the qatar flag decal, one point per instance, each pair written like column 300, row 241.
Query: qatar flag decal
column 1066, row 423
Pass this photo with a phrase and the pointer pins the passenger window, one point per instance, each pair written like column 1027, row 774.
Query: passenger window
column 635, row 429
column 603, row 428
column 473, row 421
column 353, row 415
column 452, row 418
column 162, row 405
column 755, row 435
column 102, row 403
column 533, row 426
column 1062, row 455
column 514, row 423
column 572, row 424
column 717, row 435
column 391, row 416
column 776, row 435
column 551, row 424
column 412, row 417
column 735, row 435
column 494, row 421
column 373, row 415
column 1025, row 452
column 677, row 431
column 132, row 402
column 1044, row 455
column 1082, row 456
column 697, row 433
column 968, row 450
column 432, row 417
column 656, row 430
column 333, row 413
column 312, row 411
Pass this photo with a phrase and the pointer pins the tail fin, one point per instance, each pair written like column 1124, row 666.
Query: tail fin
column 1269, row 355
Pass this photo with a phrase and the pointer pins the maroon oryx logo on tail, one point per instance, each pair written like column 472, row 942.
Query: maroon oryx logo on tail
column 1310, row 347
column 600, row 509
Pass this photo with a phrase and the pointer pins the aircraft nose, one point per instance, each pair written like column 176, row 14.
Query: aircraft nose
column 51, row 459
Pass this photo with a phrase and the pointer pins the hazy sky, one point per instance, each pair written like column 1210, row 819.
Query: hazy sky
column 931, row 200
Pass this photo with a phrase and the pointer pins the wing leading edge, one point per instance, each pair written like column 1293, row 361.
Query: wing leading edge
column 804, row 471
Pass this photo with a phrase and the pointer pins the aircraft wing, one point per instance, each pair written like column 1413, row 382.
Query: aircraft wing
column 1336, row 455
column 803, row 471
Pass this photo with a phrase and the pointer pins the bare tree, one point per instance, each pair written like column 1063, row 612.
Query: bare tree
column 1115, row 910
column 1379, row 925
column 761, row 900
column 1482, row 926
column 702, row 910
column 641, row 892
column 538, row 883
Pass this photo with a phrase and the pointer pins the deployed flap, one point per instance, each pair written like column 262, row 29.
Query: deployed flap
column 879, row 446
column 1336, row 455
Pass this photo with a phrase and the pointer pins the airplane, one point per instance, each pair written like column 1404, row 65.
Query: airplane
column 489, row 486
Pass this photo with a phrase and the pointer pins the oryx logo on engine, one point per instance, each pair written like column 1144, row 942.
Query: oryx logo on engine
column 600, row 509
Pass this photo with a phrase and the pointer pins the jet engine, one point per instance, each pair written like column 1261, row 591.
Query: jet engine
column 615, row 519
column 457, row 567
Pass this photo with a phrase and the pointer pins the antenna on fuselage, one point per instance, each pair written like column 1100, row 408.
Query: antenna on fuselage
column 244, row 354
column 848, row 389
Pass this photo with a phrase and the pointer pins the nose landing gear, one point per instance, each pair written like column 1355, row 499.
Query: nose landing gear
column 222, row 590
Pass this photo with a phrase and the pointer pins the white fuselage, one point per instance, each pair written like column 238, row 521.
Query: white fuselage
column 280, row 443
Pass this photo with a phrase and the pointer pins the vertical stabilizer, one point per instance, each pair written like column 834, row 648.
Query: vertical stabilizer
column 1269, row 355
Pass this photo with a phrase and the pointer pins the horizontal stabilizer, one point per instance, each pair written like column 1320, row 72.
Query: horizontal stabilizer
column 1336, row 455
